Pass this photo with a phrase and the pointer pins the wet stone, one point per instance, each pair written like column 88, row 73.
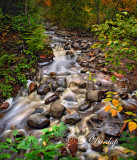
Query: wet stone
column 57, row 110
column 94, row 96
column 32, row 87
column 52, row 98
column 4, row 106
column 54, row 86
column 38, row 110
column 62, row 82
column 38, row 121
column 81, row 85
column 84, row 106
column 70, row 53
column 43, row 89
column 124, row 95
column 73, row 119
column 134, row 97
column 112, row 129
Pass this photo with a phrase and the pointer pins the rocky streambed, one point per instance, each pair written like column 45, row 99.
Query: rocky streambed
column 64, row 91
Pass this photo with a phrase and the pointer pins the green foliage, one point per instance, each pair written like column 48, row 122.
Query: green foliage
column 37, row 41
column 119, row 38
column 11, row 70
column 69, row 14
column 129, row 143
column 43, row 149
column 27, row 27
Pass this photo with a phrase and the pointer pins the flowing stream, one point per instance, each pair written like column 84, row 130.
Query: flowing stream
column 93, row 121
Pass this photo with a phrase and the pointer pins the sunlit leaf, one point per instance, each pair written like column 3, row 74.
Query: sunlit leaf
column 115, row 102
column 107, row 99
column 107, row 108
column 44, row 143
column 128, row 120
column 114, row 112
column 119, row 108
column 130, row 113
column 132, row 126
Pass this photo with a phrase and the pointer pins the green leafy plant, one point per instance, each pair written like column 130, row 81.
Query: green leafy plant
column 38, row 149
column 118, row 39
column 129, row 143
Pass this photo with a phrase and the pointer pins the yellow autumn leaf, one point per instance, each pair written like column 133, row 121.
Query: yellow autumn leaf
column 114, row 112
column 119, row 108
column 106, row 56
column 126, row 150
column 105, row 149
column 107, row 108
column 115, row 102
column 114, row 92
column 132, row 126
column 103, row 158
column 44, row 143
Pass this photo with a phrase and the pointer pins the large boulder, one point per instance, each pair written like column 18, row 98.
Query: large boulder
column 43, row 88
column 57, row 110
column 32, row 87
column 38, row 121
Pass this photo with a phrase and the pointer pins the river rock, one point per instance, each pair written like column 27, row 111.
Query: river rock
column 124, row 95
column 39, row 110
column 84, row 70
column 57, row 39
column 112, row 129
column 81, row 85
column 54, row 28
column 91, row 59
column 94, row 96
column 134, row 97
column 76, row 45
column 4, row 106
column 43, row 88
column 84, row 106
column 98, row 141
column 62, row 82
column 84, row 45
column 129, row 107
column 52, row 98
column 79, row 59
column 57, row 110
column 54, row 86
column 70, row 53
column 32, row 87
column 38, row 121
column 73, row 119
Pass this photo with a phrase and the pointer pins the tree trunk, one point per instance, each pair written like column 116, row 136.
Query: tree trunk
column 97, row 4
column 26, row 11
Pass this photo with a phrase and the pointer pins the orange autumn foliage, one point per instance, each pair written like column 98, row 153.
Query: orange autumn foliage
column 114, row 112
column 47, row 2
column 124, row 5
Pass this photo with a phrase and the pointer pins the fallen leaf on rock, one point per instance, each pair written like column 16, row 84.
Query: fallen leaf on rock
column 115, row 102
column 114, row 112
column 119, row 108
column 107, row 108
